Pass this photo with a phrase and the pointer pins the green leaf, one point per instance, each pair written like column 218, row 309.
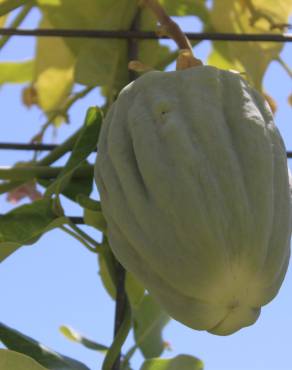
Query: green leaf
column 149, row 320
column 10, row 360
column 255, row 57
column 186, row 7
column 26, row 224
column 181, row 362
column 9, row 5
column 53, row 73
column 74, row 187
column 19, row 342
column 105, row 277
column 16, row 72
column 72, row 335
column 92, row 213
column 111, row 68
column 95, row 219
column 135, row 290
column 84, row 146
column 89, row 203
column 6, row 186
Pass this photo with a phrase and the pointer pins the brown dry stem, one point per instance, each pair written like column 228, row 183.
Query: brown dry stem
column 168, row 27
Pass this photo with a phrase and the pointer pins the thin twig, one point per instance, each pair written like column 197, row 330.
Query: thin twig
column 89, row 239
column 71, row 100
column 257, row 14
column 77, row 237
column 16, row 22
column 7, row 6
column 284, row 65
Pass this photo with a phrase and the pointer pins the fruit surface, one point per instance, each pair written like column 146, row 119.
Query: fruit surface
column 193, row 179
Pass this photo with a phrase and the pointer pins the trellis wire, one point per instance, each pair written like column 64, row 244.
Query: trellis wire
column 49, row 147
column 150, row 35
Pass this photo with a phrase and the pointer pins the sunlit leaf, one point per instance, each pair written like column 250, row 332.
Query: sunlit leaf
column 54, row 70
column 135, row 290
column 49, row 2
column 186, row 7
column 72, row 335
column 26, row 224
column 104, row 62
column 11, row 360
column 181, row 362
column 4, row 17
column 16, row 72
column 52, row 360
column 149, row 320
column 254, row 57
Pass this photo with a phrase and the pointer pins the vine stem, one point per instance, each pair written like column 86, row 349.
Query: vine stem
column 122, row 324
column 285, row 66
column 77, row 237
column 97, row 247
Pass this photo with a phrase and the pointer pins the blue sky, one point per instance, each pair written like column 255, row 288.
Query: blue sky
column 56, row 281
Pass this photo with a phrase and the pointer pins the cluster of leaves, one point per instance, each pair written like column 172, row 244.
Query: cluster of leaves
column 98, row 62
column 50, row 78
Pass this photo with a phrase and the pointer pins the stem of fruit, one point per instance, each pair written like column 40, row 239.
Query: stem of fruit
column 186, row 58
column 169, row 27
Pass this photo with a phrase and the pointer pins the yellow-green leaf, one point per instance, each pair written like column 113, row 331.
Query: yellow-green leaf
column 10, row 360
column 16, row 72
column 3, row 17
column 54, row 70
column 181, row 362
column 74, row 336
column 253, row 56
column 149, row 320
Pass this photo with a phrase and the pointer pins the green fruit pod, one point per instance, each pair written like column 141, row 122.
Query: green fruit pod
column 194, row 186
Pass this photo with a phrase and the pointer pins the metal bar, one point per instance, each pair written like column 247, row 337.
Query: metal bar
column 74, row 219
column 136, row 34
column 20, row 146
column 48, row 147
